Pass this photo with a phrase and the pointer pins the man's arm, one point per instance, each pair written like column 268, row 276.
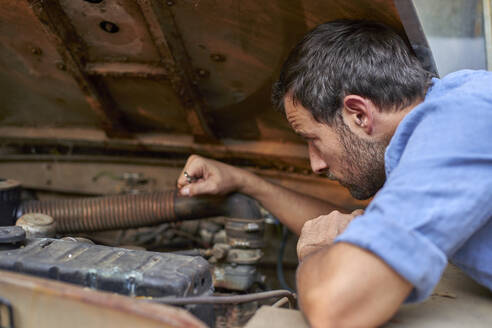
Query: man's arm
column 290, row 207
column 346, row 286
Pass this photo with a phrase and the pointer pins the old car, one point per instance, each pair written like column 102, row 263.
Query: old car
column 102, row 102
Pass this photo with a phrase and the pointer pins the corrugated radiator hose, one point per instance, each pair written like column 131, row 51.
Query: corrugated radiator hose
column 132, row 211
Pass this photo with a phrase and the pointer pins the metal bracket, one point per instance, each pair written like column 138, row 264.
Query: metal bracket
column 415, row 33
column 487, row 27
column 4, row 303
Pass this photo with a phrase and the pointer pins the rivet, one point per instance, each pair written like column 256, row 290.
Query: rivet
column 203, row 73
column 218, row 58
column 61, row 66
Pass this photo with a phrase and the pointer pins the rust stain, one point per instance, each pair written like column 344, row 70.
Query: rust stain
column 40, row 289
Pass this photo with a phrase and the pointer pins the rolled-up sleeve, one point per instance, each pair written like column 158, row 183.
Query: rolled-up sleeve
column 438, row 194
column 409, row 253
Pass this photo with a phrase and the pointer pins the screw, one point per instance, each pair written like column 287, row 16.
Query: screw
column 170, row 3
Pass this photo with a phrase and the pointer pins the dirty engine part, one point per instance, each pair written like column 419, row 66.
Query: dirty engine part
column 131, row 211
column 10, row 192
column 123, row 271
column 128, row 272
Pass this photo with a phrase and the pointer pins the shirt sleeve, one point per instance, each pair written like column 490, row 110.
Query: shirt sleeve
column 438, row 194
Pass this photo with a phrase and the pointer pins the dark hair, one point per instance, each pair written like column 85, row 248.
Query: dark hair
column 350, row 57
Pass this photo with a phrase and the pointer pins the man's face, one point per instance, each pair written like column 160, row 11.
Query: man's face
column 338, row 153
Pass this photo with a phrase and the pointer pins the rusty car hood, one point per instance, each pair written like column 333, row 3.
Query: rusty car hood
column 176, row 76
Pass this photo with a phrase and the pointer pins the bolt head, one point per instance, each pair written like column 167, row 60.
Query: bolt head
column 36, row 51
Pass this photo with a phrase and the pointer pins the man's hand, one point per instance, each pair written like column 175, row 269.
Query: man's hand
column 322, row 231
column 208, row 177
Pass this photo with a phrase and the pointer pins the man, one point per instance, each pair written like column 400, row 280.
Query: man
column 376, row 121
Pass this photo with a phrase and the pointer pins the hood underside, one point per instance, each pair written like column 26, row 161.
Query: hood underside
column 175, row 76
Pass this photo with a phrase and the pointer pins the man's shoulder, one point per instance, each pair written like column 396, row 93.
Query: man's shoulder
column 459, row 94
column 456, row 114
column 462, row 84
column 466, row 75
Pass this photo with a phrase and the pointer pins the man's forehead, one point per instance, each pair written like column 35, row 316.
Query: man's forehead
column 295, row 113
column 292, row 114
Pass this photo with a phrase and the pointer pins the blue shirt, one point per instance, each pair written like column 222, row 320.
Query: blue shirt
column 436, row 204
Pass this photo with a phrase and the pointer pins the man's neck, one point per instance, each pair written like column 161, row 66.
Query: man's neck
column 393, row 120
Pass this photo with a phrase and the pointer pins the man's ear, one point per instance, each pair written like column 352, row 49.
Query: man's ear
column 358, row 113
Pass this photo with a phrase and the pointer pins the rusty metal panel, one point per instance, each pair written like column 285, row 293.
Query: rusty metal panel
column 131, row 42
column 73, row 50
column 287, row 156
column 36, row 88
column 139, row 33
column 201, row 68
column 150, row 105
column 103, row 175
column 44, row 303
column 240, row 45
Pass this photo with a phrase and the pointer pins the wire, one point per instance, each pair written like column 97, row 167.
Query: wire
column 232, row 299
column 189, row 252
column 280, row 260
column 281, row 302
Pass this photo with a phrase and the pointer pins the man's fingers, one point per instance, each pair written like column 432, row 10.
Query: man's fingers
column 194, row 168
column 188, row 178
column 322, row 231
column 199, row 188
column 182, row 181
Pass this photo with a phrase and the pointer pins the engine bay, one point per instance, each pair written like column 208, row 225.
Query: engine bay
column 202, row 253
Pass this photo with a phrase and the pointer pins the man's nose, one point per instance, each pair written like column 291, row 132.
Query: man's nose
column 318, row 165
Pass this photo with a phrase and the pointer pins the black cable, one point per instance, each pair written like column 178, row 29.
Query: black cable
column 232, row 299
column 280, row 260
